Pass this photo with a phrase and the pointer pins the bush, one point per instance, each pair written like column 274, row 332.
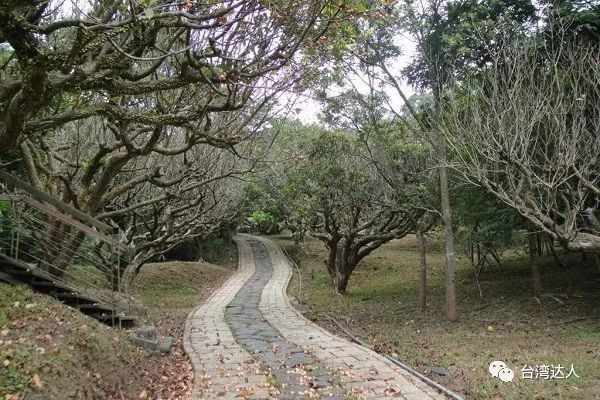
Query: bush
column 264, row 223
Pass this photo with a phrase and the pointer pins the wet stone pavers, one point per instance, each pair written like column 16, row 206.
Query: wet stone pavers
column 296, row 374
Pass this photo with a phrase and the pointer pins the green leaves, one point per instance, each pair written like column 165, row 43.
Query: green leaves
column 147, row 14
column 481, row 218
column 360, row 7
column 457, row 37
column 264, row 222
column 5, row 205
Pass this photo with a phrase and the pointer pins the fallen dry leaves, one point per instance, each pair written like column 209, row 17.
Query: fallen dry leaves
column 37, row 382
column 164, row 376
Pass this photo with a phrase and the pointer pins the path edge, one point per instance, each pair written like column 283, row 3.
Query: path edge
column 420, row 383
column 198, row 367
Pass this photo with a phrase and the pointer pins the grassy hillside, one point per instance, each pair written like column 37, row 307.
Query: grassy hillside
column 50, row 351
column 509, row 323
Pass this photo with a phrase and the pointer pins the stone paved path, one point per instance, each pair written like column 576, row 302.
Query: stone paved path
column 247, row 341
column 296, row 373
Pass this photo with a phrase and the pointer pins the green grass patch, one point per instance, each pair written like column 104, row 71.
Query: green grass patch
column 13, row 378
column 86, row 276
column 177, row 285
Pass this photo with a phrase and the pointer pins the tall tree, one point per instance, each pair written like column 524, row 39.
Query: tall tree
column 453, row 38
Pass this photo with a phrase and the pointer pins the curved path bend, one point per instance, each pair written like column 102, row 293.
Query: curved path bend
column 248, row 342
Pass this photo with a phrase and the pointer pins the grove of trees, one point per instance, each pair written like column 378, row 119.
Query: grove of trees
column 174, row 121
column 131, row 111
column 506, row 113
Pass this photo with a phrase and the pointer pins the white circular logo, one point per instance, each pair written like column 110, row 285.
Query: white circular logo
column 506, row 375
column 495, row 367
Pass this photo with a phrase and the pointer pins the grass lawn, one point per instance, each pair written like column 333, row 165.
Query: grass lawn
column 507, row 324
column 170, row 290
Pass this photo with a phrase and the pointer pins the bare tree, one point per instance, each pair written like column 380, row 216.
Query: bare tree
column 529, row 134
column 159, row 188
column 131, row 111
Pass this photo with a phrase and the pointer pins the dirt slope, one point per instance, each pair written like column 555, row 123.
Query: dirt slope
column 51, row 351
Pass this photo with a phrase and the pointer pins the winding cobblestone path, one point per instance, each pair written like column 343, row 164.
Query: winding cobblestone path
column 247, row 341
column 296, row 373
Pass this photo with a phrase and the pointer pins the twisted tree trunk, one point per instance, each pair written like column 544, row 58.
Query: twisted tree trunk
column 342, row 265
column 131, row 270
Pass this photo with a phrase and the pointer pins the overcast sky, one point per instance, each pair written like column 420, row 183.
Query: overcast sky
column 309, row 108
